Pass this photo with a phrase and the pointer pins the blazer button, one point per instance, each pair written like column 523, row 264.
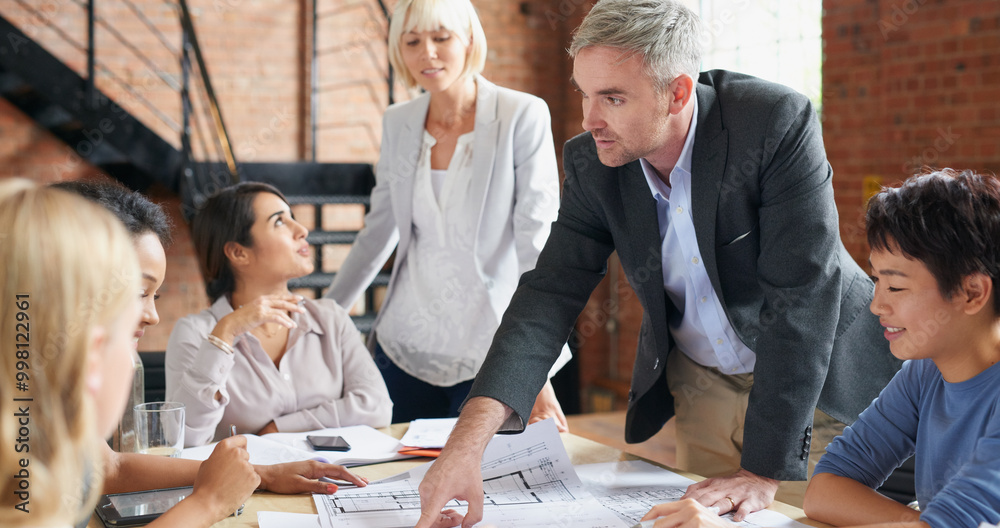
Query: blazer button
column 656, row 363
column 631, row 396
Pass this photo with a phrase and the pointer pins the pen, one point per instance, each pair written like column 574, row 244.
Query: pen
column 339, row 483
column 651, row 522
column 232, row 433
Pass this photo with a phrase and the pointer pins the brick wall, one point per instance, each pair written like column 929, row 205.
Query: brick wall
column 907, row 83
column 256, row 54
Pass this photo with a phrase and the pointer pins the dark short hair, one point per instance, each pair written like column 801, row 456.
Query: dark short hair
column 947, row 219
column 226, row 216
column 137, row 212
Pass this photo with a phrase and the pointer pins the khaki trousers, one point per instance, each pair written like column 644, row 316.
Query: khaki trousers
column 711, row 409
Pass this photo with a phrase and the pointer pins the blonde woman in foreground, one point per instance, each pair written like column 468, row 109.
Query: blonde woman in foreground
column 70, row 296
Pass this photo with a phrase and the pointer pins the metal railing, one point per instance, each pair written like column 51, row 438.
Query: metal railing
column 214, row 139
column 363, row 43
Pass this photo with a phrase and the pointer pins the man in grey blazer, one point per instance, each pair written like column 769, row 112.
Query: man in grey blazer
column 717, row 196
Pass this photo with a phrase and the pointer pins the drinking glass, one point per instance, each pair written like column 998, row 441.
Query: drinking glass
column 159, row 428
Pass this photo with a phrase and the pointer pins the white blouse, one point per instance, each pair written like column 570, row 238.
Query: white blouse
column 438, row 325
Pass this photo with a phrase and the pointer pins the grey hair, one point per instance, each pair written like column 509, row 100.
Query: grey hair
column 665, row 33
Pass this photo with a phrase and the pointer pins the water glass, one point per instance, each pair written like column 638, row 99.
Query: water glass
column 159, row 428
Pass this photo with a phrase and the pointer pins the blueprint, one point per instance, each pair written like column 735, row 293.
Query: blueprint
column 528, row 481
column 631, row 488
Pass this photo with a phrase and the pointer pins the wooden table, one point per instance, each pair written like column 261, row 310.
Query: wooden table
column 581, row 451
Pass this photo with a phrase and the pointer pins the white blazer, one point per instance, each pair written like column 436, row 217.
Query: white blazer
column 515, row 190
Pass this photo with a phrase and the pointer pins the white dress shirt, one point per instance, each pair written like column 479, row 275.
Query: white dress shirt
column 701, row 329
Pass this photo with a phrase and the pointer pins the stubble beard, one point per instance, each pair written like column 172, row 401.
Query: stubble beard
column 616, row 156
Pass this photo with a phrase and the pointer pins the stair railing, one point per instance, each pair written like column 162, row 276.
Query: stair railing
column 191, row 46
column 381, row 18
column 189, row 55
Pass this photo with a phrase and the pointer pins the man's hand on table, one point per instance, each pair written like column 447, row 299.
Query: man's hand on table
column 456, row 474
column 742, row 493
column 688, row 513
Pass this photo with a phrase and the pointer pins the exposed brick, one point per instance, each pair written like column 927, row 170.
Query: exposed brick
column 891, row 71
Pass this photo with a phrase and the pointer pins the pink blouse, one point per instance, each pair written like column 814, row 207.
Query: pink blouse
column 326, row 378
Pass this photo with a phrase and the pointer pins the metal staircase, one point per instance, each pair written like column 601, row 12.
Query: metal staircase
column 195, row 157
column 92, row 124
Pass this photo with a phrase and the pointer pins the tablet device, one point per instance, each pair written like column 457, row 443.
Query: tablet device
column 138, row 507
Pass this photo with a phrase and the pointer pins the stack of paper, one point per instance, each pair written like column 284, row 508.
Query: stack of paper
column 426, row 437
column 368, row 446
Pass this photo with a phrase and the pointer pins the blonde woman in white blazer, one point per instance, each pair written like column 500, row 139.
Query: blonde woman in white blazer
column 466, row 190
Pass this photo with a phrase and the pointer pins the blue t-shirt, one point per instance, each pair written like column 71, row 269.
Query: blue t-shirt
column 954, row 428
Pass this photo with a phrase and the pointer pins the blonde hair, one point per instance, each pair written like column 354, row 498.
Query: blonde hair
column 69, row 266
column 457, row 16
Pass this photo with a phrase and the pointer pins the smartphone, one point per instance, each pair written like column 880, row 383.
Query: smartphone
column 328, row 443
column 139, row 507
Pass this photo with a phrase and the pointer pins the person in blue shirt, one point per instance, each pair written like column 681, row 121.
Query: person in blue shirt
column 935, row 260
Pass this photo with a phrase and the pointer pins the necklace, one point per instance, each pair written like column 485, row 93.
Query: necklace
column 265, row 330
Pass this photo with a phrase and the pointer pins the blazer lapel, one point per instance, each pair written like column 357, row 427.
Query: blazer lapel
column 707, row 171
column 484, row 148
column 644, row 247
column 407, row 151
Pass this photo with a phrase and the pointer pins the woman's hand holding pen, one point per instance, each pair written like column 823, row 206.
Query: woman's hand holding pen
column 262, row 310
column 226, row 480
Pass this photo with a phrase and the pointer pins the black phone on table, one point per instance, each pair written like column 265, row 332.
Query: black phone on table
column 328, row 443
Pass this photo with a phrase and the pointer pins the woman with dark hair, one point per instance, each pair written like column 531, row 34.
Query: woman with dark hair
column 149, row 228
column 261, row 358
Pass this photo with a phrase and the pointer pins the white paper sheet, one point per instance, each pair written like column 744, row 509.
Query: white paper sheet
column 429, row 433
column 262, row 451
column 367, row 446
column 630, row 488
column 267, row 519
column 528, row 480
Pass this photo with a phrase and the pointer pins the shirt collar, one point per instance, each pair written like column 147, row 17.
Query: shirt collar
column 656, row 186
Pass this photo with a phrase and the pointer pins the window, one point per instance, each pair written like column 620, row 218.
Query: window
column 774, row 40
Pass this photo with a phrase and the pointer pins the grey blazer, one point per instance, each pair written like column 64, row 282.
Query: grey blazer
column 768, row 232
column 515, row 196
